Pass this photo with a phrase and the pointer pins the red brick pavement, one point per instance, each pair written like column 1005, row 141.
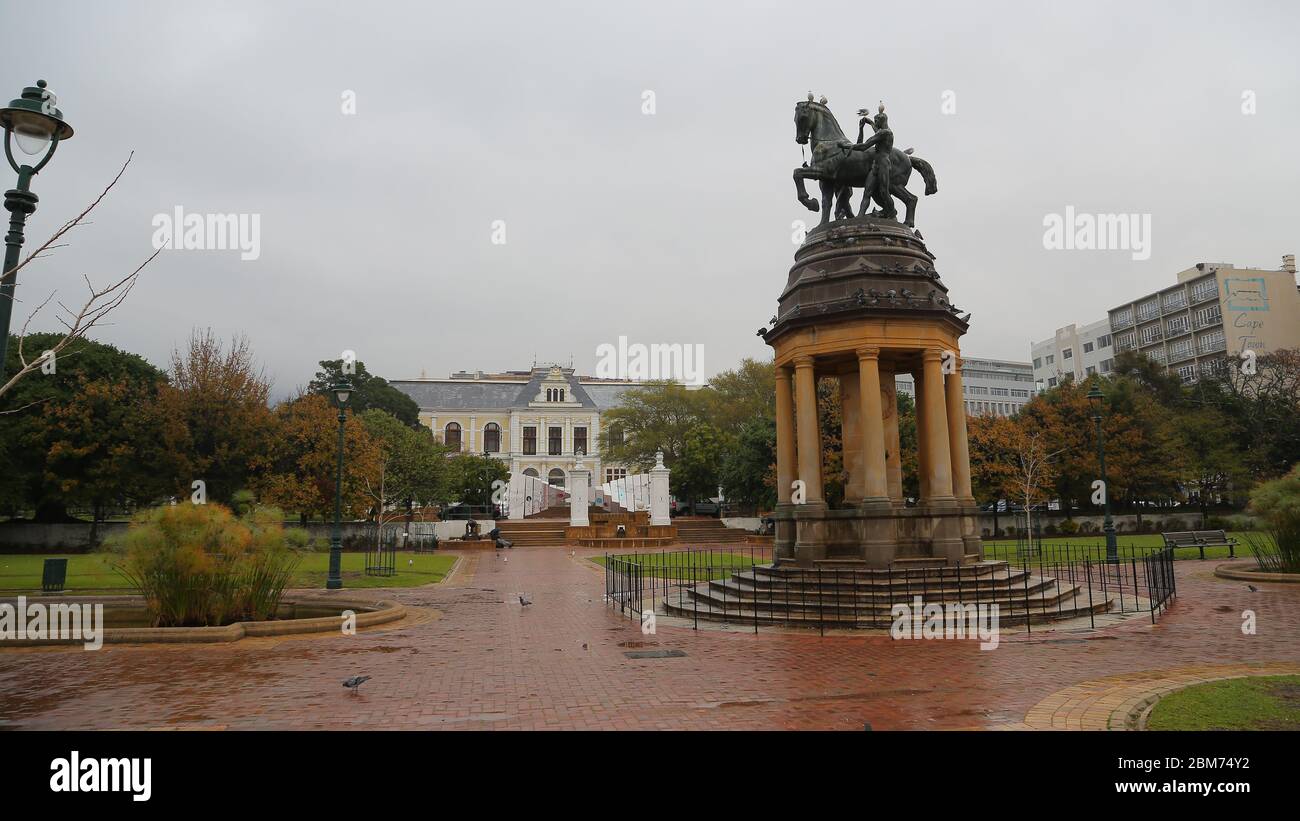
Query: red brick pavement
column 482, row 661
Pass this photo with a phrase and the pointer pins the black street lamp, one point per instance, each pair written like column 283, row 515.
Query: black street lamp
column 1112, row 548
column 34, row 123
column 342, row 392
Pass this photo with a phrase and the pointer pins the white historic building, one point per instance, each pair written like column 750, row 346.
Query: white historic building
column 537, row 421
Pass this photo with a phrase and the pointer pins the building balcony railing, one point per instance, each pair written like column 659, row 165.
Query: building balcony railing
column 1121, row 322
column 1212, row 346
column 1179, row 354
column 1198, row 323
column 1177, row 330
column 1204, row 297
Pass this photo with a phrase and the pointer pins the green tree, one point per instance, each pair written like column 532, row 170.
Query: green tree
column 411, row 466
column 470, row 477
column 219, row 427
column 83, row 434
column 748, row 470
column 696, row 473
column 651, row 418
column 368, row 391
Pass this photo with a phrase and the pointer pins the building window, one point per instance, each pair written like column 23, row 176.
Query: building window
column 1051, row 383
column 492, row 438
column 616, row 436
column 1103, row 341
column 614, row 474
column 580, row 440
column 1150, row 333
column 1038, row 362
column 1090, row 370
column 1068, row 353
column 1087, row 347
column 555, row 478
column 555, row 441
column 1205, row 289
column 532, row 472
column 530, row 440
column 1209, row 315
column 1051, row 357
column 1107, row 365
column 451, row 435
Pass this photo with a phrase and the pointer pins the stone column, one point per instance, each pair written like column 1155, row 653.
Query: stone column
column 893, row 442
column 809, row 431
column 923, row 456
column 473, row 431
column 659, row 492
column 872, row 425
column 855, row 486
column 579, row 494
column 786, row 469
column 938, row 466
column 957, row 443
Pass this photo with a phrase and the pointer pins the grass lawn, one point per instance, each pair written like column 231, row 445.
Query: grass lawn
column 1255, row 703
column 687, row 564
column 1002, row 548
column 92, row 572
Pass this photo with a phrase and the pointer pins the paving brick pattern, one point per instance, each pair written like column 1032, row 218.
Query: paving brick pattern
column 474, row 658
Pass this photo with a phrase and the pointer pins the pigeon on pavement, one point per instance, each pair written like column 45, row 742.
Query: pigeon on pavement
column 354, row 683
column 524, row 601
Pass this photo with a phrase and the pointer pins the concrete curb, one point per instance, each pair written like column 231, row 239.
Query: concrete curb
column 368, row 614
column 1225, row 571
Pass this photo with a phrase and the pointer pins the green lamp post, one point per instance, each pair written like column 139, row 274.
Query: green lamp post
column 342, row 392
column 1112, row 548
column 37, row 126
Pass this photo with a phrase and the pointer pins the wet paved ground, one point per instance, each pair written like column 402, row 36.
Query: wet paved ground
column 473, row 658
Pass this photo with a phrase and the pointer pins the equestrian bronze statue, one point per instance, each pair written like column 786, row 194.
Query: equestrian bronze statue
column 840, row 165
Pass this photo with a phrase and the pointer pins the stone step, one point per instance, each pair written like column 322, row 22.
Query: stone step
column 740, row 585
column 684, row 604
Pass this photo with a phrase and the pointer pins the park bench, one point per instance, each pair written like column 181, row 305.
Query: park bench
column 1201, row 539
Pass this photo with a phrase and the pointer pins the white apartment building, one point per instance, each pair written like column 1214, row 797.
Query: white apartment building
column 1075, row 351
column 991, row 386
column 1212, row 311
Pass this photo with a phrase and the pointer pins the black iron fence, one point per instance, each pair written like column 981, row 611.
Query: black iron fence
column 739, row 586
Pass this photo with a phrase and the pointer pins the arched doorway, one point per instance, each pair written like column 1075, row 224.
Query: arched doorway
column 532, row 472
column 555, row 478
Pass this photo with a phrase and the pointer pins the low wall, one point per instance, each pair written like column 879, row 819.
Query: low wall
column 74, row 537
column 1125, row 524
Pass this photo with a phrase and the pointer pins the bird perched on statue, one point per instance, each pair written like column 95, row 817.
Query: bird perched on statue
column 354, row 683
column 524, row 601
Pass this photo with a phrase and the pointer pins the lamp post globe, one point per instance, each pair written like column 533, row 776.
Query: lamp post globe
column 36, row 125
column 342, row 393
column 1097, row 398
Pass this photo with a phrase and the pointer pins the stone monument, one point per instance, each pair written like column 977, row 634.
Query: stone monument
column 862, row 303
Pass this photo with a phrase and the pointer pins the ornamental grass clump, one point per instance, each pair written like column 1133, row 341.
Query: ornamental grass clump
column 1277, row 504
column 202, row 566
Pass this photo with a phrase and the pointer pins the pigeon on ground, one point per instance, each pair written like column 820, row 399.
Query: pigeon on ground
column 1253, row 588
column 354, row 683
column 524, row 601
column 410, row 562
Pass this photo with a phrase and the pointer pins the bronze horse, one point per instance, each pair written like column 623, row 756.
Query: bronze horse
column 839, row 169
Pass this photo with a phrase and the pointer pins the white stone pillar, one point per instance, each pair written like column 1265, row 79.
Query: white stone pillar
column 579, row 494
column 518, row 494
column 473, row 430
column 659, row 491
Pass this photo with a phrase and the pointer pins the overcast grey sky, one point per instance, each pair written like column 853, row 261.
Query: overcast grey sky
column 376, row 228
